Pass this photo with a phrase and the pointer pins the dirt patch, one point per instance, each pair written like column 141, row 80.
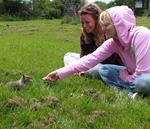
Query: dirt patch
column 35, row 104
column 50, row 101
column 92, row 93
column 34, row 29
column 44, row 122
column 15, row 102
column 93, row 116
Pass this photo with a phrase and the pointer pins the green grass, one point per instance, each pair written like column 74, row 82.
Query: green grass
column 37, row 47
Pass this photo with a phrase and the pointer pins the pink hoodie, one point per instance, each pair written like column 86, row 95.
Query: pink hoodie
column 133, row 47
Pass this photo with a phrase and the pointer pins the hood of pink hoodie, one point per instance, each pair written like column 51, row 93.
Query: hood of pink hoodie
column 124, row 20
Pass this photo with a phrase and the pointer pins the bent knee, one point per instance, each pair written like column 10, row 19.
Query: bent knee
column 143, row 87
column 67, row 54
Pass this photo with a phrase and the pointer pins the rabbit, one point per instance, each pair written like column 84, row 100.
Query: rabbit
column 18, row 84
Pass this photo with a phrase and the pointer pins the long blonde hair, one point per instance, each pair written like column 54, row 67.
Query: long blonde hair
column 105, row 18
column 95, row 12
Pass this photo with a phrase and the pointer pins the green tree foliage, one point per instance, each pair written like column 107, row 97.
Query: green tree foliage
column 15, row 8
column 121, row 2
column 41, row 8
column 102, row 5
column 56, row 9
column 47, row 8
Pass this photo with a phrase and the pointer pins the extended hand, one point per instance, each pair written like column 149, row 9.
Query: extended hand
column 51, row 76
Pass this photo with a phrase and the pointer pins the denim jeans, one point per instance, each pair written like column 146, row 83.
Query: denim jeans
column 110, row 75
column 142, row 84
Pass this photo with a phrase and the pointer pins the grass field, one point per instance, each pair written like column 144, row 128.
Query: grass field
column 37, row 47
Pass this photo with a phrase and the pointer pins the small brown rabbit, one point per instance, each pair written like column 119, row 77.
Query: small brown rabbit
column 18, row 84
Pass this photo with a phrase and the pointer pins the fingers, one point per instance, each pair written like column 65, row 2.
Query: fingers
column 51, row 77
column 48, row 78
column 45, row 78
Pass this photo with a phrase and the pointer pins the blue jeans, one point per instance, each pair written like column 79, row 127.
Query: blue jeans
column 142, row 84
column 110, row 75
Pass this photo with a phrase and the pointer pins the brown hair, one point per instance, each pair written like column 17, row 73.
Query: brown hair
column 95, row 12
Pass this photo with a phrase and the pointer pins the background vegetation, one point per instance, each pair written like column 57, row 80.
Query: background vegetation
column 49, row 9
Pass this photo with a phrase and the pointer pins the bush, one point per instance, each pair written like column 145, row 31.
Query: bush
column 54, row 13
column 25, row 15
column 9, row 18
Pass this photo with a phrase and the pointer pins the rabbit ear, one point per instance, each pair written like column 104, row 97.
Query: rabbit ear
column 21, row 73
column 23, row 76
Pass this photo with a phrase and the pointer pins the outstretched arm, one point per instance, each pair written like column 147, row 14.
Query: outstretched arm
column 85, row 63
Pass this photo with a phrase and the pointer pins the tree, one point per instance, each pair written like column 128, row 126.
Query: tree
column 56, row 9
column 71, row 7
column 40, row 6
column 15, row 8
column 102, row 5
column 121, row 2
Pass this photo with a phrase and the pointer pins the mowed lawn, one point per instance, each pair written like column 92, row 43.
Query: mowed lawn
column 37, row 47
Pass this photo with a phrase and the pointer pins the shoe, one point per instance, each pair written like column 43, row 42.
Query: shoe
column 132, row 95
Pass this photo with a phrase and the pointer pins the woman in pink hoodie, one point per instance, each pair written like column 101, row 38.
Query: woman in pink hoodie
column 130, row 42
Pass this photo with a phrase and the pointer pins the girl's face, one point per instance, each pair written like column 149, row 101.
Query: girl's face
column 88, row 23
column 108, row 28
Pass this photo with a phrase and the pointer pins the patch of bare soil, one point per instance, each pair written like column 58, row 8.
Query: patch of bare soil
column 35, row 104
column 93, row 116
column 44, row 122
column 15, row 102
column 92, row 93
column 50, row 101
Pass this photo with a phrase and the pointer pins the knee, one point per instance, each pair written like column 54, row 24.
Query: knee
column 66, row 56
column 143, row 86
